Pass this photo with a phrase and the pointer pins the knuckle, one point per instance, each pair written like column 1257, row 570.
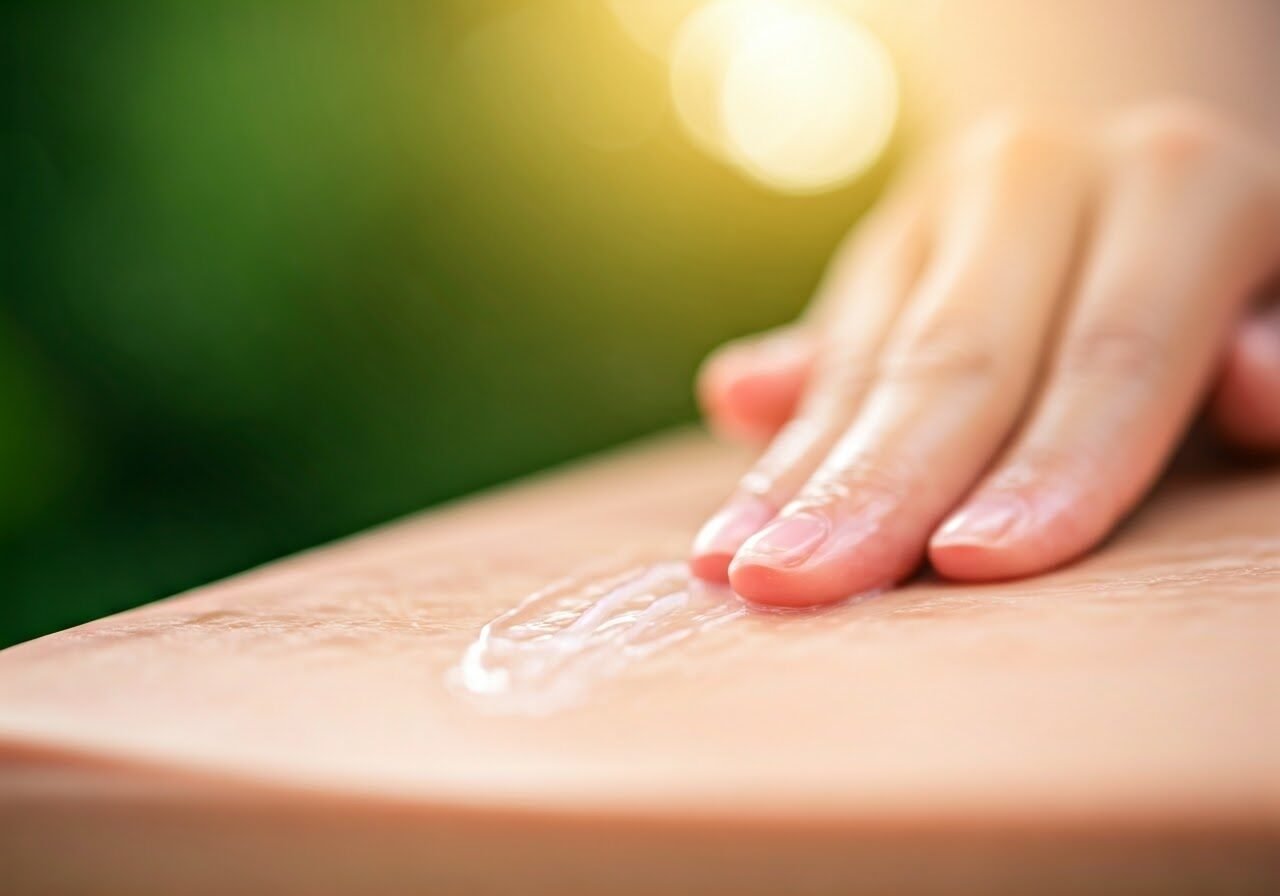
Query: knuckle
column 1114, row 351
column 955, row 363
column 1198, row 162
column 1174, row 133
column 864, row 483
column 947, row 348
column 1010, row 141
column 842, row 376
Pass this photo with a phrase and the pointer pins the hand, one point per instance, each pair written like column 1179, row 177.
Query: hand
column 1004, row 356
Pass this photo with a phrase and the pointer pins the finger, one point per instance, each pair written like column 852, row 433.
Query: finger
column 857, row 303
column 749, row 388
column 951, row 383
column 1176, row 254
column 1246, row 403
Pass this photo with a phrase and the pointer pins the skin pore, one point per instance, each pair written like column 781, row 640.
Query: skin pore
column 1007, row 350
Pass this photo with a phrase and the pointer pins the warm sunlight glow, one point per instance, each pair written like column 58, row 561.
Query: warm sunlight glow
column 700, row 58
column 653, row 23
column 795, row 92
column 809, row 103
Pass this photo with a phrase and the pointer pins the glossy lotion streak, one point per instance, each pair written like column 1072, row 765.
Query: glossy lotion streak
column 548, row 651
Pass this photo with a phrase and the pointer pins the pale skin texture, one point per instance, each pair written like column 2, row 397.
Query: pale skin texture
column 1110, row 728
column 1007, row 351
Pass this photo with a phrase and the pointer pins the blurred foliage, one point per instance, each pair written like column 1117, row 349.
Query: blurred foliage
column 275, row 271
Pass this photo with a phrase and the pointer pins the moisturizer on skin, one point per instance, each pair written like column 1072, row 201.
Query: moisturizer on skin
column 549, row 651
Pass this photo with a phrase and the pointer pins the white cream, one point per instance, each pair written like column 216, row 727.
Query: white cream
column 551, row 649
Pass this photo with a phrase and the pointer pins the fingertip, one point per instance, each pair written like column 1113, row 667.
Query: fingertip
column 749, row 390
column 1246, row 404
column 975, row 562
column 1004, row 535
column 711, row 567
column 769, row 568
column 769, row 586
column 973, row 543
column 971, row 561
column 807, row 559
column 721, row 536
column 766, row 586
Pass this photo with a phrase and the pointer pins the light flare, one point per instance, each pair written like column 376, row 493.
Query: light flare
column 796, row 93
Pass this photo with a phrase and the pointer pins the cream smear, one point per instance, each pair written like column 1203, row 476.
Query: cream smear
column 550, row 650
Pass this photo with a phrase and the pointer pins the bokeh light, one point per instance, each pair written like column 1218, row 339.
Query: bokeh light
column 701, row 56
column 796, row 93
column 653, row 23
column 810, row 103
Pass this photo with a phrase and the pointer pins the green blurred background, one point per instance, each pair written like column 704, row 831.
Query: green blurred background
column 275, row 271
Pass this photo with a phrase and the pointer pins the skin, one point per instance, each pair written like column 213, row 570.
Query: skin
column 1005, row 354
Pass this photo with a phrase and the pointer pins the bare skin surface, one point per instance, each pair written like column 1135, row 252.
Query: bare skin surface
column 1113, row 725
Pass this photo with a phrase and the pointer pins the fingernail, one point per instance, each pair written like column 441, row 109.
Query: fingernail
column 737, row 521
column 983, row 521
column 788, row 541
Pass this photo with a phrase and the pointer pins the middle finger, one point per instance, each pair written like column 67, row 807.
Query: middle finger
column 951, row 381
